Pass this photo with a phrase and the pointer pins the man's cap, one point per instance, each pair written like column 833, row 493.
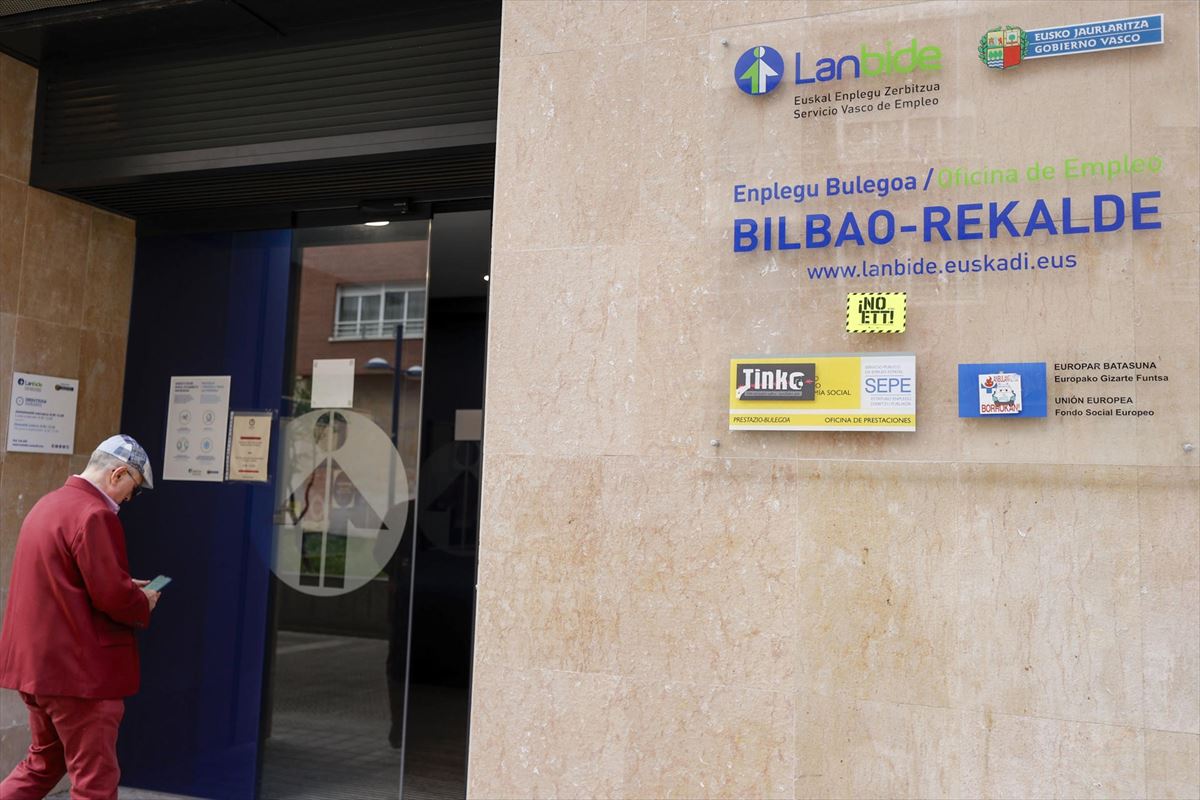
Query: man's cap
column 128, row 450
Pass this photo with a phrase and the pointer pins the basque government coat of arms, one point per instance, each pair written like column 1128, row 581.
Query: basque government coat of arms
column 1003, row 47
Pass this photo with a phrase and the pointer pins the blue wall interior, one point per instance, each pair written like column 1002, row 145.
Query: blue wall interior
column 202, row 305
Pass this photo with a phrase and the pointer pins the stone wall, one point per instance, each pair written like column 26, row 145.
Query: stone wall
column 66, row 273
column 982, row 608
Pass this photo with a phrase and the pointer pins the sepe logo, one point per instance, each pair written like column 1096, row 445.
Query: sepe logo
column 759, row 70
column 63, row 387
column 777, row 381
column 1003, row 47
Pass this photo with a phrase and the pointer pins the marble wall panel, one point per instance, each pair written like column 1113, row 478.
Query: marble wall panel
column 588, row 735
column 676, row 307
column 46, row 348
column 109, row 274
column 77, row 462
column 8, row 331
column 101, row 385
column 1164, row 106
column 562, row 333
column 1069, row 650
column 569, row 120
column 1169, row 524
column 13, row 197
column 24, row 479
column 1172, row 765
column 863, row 749
column 547, row 734
column 734, row 13
column 678, row 18
column 709, row 568
column 538, row 27
column 546, row 506
column 689, row 741
column 672, row 187
column 540, row 615
column 1048, row 758
column 548, row 533
column 877, row 613
column 672, row 375
column 54, row 263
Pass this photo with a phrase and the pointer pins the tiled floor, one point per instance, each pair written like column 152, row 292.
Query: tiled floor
column 329, row 732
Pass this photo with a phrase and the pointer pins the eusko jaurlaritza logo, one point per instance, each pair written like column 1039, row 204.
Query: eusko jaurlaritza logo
column 759, row 70
column 1003, row 47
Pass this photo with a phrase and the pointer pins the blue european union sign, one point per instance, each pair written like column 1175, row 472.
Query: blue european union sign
column 1002, row 390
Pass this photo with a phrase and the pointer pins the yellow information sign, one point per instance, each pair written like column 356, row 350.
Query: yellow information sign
column 876, row 312
column 860, row 392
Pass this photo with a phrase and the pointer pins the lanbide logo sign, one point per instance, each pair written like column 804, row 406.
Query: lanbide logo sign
column 759, row 70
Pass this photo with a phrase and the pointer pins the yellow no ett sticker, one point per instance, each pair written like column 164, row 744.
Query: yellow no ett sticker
column 876, row 312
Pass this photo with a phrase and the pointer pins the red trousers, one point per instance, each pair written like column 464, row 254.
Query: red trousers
column 70, row 734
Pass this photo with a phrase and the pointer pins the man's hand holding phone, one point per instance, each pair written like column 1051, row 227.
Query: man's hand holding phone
column 153, row 589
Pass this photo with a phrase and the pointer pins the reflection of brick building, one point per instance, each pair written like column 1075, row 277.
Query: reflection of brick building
column 351, row 298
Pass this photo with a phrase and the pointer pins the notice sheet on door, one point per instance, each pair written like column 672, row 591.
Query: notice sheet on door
column 197, row 428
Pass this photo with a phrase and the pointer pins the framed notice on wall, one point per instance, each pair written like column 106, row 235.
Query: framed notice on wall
column 855, row 392
column 41, row 414
column 248, row 454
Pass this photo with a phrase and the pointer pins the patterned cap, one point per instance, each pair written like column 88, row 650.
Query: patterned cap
column 128, row 450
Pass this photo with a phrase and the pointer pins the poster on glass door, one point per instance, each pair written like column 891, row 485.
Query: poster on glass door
column 197, row 428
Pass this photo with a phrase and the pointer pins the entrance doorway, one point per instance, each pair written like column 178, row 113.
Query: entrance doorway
column 366, row 689
column 317, row 642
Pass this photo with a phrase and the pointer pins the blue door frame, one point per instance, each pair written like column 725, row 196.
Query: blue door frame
column 214, row 304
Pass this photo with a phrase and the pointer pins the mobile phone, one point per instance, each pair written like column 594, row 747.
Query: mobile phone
column 158, row 583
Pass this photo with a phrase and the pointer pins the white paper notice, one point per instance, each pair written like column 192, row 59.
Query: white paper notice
column 468, row 424
column 197, row 426
column 333, row 383
column 41, row 416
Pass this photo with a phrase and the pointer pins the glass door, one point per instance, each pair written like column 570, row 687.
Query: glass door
column 345, row 496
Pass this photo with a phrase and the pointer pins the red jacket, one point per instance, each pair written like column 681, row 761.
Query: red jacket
column 72, row 607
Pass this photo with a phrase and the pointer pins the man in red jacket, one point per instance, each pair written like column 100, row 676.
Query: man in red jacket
column 67, row 643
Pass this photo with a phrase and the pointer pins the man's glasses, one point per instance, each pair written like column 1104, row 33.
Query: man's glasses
column 137, row 488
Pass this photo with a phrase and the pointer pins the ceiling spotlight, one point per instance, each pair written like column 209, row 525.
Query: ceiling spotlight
column 378, row 223
column 487, row 277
